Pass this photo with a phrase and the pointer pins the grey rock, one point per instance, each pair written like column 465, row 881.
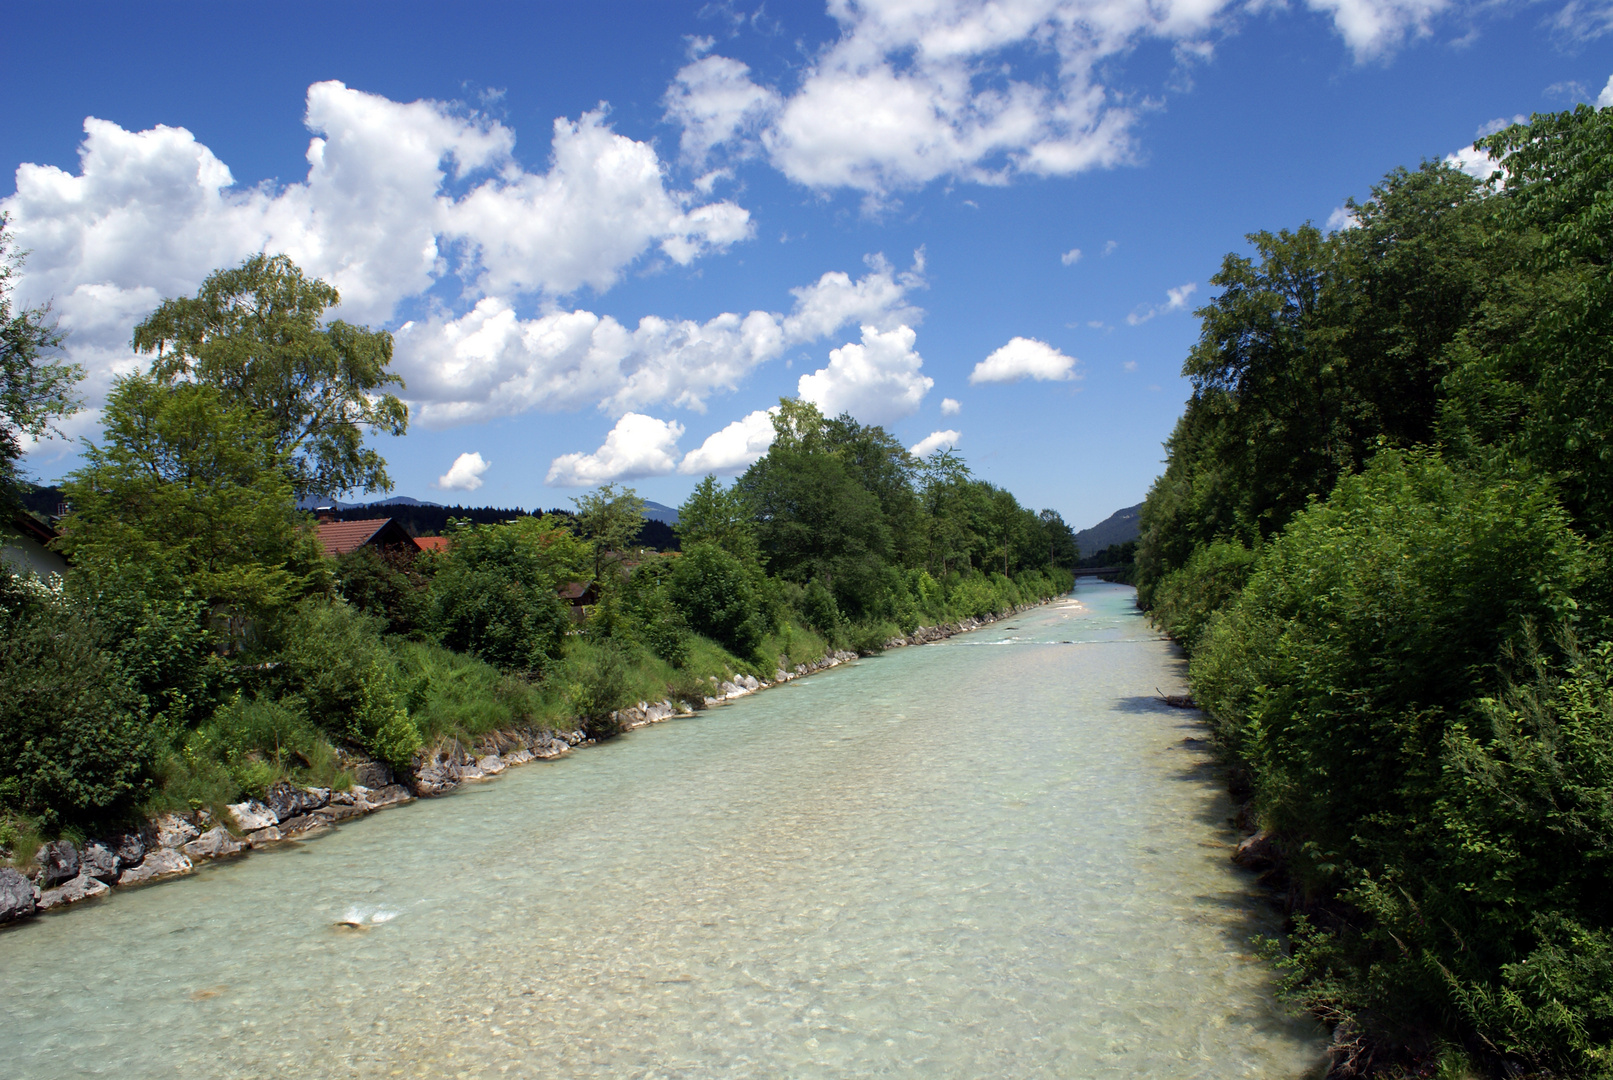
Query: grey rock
column 261, row 837
column 344, row 798
column 435, row 778
column 391, row 795
column 372, row 774
column 491, row 765
column 1257, row 852
column 518, row 757
column 215, row 843
column 301, row 824
column 100, row 861
column 57, row 862
column 16, row 895
column 552, row 749
column 288, row 801
column 161, row 863
column 130, row 848
column 82, row 887
column 337, row 812
column 174, row 831
column 250, row 816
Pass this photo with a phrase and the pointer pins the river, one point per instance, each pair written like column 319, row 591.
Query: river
column 996, row 856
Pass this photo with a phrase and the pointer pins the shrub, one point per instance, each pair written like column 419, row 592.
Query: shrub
column 335, row 661
column 596, row 679
column 158, row 633
column 713, row 590
column 818, row 609
column 451, row 694
column 497, row 618
column 385, row 584
column 1185, row 599
column 74, row 742
column 1354, row 675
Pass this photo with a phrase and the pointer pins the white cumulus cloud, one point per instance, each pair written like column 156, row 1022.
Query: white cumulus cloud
column 876, row 381
column 492, row 362
column 397, row 196
column 1071, row 257
column 1604, row 100
column 951, row 406
column 981, row 90
column 733, row 449
column 1024, row 358
column 637, row 446
column 935, row 440
column 465, row 474
column 714, row 101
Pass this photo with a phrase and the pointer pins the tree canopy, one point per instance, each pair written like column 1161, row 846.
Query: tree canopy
column 35, row 391
column 255, row 332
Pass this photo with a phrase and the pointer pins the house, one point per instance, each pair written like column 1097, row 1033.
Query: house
column 341, row 537
column 580, row 596
column 25, row 547
column 438, row 544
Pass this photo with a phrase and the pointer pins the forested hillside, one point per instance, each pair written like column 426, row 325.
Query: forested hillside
column 204, row 646
column 1383, row 537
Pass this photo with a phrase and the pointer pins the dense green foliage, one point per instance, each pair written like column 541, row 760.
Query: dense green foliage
column 1383, row 535
column 204, row 647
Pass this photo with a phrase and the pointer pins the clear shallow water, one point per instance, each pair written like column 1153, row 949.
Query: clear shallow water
column 993, row 856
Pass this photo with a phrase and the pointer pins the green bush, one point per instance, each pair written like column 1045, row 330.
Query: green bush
column 451, row 695
column 1184, row 599
column 254, row 743
column 1355, row 676
column 335, row 660
column 597, row 685
column 74, row 742
column 385, row 584
column 818, row 609
column 158, row 633
column 497, row 618
column 713, row 589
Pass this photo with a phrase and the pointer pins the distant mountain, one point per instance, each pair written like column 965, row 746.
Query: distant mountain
column 656, row 512
column 312, row 502
column 404, row 500
column 1117, row 528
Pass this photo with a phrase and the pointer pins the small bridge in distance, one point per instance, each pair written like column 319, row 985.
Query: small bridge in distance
column 1100, row 571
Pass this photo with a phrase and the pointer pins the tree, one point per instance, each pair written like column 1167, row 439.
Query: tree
column 1061, row 546
column 192, row 488
column 254, row 332
column 610, row 519
column 34, row 392
column 713, row 514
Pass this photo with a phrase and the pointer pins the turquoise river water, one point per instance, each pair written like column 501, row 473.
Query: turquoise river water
column 996, row 856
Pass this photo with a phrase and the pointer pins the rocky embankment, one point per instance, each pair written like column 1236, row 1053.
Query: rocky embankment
column 171, row 845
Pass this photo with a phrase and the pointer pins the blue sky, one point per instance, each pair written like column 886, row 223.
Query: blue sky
column 608, row 236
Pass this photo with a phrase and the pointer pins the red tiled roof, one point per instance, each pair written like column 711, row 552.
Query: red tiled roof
column 340, row 537
column 432, row 543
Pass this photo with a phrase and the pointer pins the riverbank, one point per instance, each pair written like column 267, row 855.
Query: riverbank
column 171, row 845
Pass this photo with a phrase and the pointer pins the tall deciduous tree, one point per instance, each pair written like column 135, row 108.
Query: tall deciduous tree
column 34, row 391
column 255, row 333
